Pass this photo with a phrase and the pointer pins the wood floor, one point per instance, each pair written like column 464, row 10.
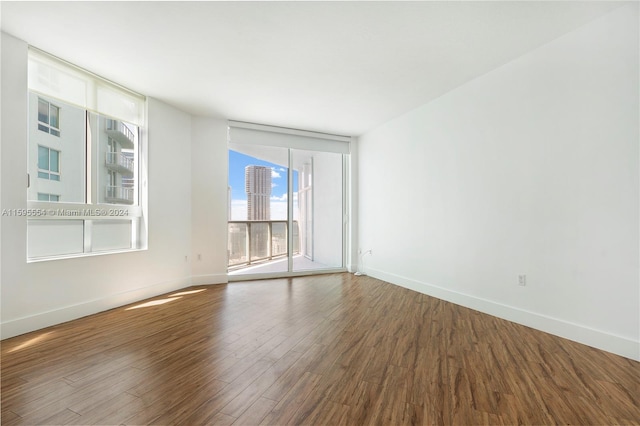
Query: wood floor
column 329, row 349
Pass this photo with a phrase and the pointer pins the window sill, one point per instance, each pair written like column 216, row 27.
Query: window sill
column 81, row 255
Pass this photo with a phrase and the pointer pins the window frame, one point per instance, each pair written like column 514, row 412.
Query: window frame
column 48, row 171
column 248, row 134
column 93, row 210
column 90, row 210
column 48, row 196
column 46, row 126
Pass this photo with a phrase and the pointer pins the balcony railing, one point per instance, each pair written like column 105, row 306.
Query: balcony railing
column 257, row 241
column 119, row 162
column 119, row 194
column 117, row 130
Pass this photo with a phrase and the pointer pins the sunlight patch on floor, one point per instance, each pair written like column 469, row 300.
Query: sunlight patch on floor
column 31, row 341
column 154, row 303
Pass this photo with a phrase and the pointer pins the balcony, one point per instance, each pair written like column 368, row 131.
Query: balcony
column 121, row 133
column 119, row 195
column 259, row 241
column 119, row 162
column 258, row 247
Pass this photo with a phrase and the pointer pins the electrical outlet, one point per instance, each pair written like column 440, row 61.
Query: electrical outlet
column 522, row 280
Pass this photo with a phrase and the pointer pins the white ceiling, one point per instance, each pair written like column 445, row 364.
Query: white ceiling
column 337, row 67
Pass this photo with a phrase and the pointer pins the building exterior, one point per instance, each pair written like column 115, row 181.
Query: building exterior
column 257, row 181
column 116, row 179
column 61, row 137
column 56, row 151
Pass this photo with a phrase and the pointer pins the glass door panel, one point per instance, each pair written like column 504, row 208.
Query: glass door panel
column 318, row 203
column 258, row 209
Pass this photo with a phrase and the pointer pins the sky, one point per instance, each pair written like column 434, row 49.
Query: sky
column 237, row 164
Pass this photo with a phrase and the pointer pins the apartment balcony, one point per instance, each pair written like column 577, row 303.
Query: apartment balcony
column 121, row 133
column 119, row 195
column 259, row 241
column 119, row 163
column 260, row 246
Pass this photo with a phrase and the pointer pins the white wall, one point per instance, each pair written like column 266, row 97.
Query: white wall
column 530, row 169
column 13, row 170
column 39, row 294
column 209, row 200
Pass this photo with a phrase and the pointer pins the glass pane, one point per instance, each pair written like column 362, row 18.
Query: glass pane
column 296, row 235
column 319, row 208
column 43, row 111
column 54, row 161
column 258, row 182
column 54, row 198
column 43, row 158
column 54, row 113
column 110, row 235
column 117, row 159
column 66, row 153
column 279, row 238
column 237, row 244
column 259, row 245
column 54, row 237
column 43, row 197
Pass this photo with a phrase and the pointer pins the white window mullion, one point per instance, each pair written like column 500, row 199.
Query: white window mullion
column 290, row 212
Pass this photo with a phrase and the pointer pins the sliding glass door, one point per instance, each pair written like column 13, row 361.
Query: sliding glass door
column 286, row 210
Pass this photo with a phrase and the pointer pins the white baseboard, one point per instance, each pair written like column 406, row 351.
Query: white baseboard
column 46, row 319
column 576, row 332
column 209, row 279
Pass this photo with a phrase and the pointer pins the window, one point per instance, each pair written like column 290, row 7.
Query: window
column 48, row 117
column 48, row 197
column 99, row 147
column 48, row 163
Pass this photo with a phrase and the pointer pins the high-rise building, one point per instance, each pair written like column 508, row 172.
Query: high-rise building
column 257, row 182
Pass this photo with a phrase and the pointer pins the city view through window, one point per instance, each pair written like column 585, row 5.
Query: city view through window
column 258, row 211
column 258, row 199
